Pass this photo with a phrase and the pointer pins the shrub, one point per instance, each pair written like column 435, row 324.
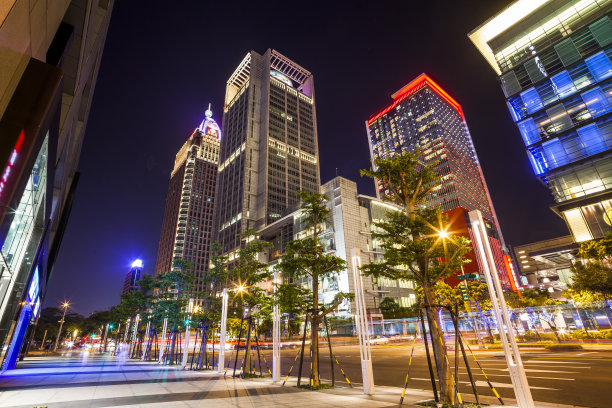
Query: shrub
column 563, row 347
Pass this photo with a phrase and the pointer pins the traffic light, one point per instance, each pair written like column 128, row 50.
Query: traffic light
column 110, row 326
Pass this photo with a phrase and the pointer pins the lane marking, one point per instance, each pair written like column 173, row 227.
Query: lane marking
column 480, row 383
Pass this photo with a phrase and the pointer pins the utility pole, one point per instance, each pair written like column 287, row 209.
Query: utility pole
column 65, row 305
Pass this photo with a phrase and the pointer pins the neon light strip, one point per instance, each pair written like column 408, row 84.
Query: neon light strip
column 414, row 86
column 11, row 161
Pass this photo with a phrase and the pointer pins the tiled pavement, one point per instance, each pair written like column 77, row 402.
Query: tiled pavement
column 99, row 382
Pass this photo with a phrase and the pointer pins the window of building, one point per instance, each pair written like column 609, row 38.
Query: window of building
column 596, row 102
column 563, row 84
column 532, row 100
column 602, row 31
column 599, row 65
column 529, row 131
column 591, row 139
column 567, row 51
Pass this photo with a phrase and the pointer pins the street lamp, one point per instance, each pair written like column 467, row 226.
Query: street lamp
column 65, row 306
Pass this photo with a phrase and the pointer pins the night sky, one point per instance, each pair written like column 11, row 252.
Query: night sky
column 163, row 63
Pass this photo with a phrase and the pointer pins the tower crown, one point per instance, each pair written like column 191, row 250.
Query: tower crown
column 209, row 126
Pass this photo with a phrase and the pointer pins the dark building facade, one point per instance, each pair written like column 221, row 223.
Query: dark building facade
column 554, row 61
column 269, row 149
column 48, row 74
column 187, row 225
column 130, row 282
column 423, row 116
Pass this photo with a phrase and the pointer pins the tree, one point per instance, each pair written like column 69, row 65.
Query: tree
column 307, row 258
column 416, row 242
column 594, row 273
column 246, row 275
column 294, row 300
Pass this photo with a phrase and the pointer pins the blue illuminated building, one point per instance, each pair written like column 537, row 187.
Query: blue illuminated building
column 133, row 276
column 554, row 61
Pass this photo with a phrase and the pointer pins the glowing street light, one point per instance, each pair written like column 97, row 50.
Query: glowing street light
column 137, row 263
column 65, row 305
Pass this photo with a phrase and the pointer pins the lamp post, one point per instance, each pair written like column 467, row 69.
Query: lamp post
column 187, row 327
column 511, row 351
column 276, row 321
column 222, row 332
column 65, row 306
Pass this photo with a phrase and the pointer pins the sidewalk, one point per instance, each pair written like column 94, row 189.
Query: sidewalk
column 66, row 383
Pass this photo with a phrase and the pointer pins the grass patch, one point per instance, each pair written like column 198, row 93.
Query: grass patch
column 563, row 347
column 466, row 404
column 320, row 387
column 245, row 375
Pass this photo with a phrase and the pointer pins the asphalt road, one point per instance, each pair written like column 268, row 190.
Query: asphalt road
column 581, row 378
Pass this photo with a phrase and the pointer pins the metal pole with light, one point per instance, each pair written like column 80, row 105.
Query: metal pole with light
column 145, row 342
column 361, row 322
column 276, row 356
column 65, row 305
column 511, row 351
column 162, row 344
column 187, row 327
column 222, row 331
column 134, row 333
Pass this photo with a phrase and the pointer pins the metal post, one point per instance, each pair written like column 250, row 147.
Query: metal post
column 162, row 344
column 187, row 327
column 134, row 333
column 146, row 341
column 363, row 332
column 42, row 345
column 276, row 323
column 222, row 331
column 511, row 351
column 60, row 328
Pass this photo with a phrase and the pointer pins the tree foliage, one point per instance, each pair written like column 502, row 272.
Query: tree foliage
column 415, row 239
column 307, row 259
column 594, row 272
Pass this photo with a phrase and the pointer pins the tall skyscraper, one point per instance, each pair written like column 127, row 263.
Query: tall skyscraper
column 187, row 226
column 423, row 116
column 269, row 149
column 50, row 53
column 130, row 282
column 553, row 58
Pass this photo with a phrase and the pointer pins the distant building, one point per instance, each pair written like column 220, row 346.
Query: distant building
column 269, row 148
column 553, row 58
column 423, row 116
column 132, row 277
column 349, row 227
column 50, row 52
column 546, row 264
column 187, row 225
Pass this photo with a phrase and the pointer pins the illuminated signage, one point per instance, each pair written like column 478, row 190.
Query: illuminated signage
column 33, row 291
column 210, row 128
column 11, row 162
column 281, row 77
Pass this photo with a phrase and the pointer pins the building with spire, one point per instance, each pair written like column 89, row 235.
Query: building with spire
column 425, row 117
column 188, row 216
column 269, row 149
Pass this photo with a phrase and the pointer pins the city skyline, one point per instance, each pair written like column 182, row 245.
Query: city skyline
column 141, row 140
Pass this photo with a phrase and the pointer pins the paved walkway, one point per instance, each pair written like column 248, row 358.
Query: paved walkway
column 72, row 381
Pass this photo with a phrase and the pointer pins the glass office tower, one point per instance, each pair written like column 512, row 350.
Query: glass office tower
column 553, row 59
column 269, row 149
column 187, row 226
column 423, row 116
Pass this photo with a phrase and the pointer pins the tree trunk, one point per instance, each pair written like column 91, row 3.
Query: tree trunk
column 247, row 351
column 314, row 333
column 447, row 393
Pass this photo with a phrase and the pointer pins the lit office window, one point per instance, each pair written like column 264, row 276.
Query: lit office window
column 532, row 100
column 563, row 84
column 599, row 65
column 591, row 139
column 596, row 102
column 529, row 131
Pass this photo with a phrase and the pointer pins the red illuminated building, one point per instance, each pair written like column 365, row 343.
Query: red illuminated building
column 423, row 116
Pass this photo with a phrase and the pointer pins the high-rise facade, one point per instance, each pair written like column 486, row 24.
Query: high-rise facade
column 554, row 61
column 188, row 217
column 423, row 116
column 50, row 52
column 269, row 148
column 130, row 283
column 349, row 226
